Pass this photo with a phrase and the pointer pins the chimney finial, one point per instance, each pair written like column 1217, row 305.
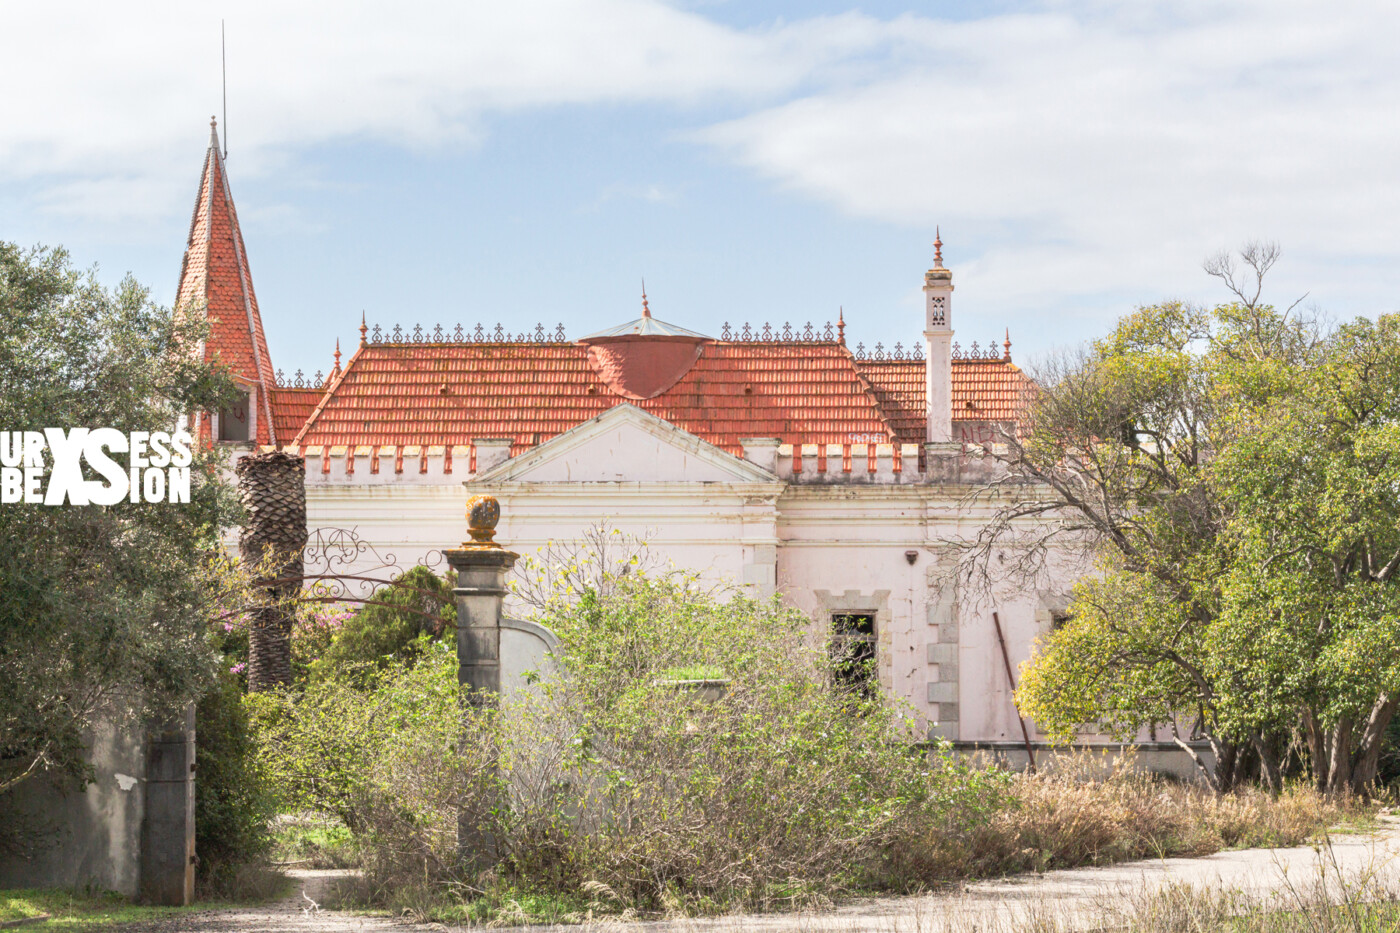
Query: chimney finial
column 1006, row 355
column 937, row 249
column 646, row 309
column 364, row 340
column 841, row 325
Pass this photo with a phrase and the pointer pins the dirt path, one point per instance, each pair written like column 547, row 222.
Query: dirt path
column 294, row 914
column 1073, row 896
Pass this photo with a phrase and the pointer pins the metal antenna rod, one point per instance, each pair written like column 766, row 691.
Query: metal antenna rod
column 223, row 64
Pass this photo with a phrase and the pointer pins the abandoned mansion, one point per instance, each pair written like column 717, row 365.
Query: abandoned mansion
column 775, row 458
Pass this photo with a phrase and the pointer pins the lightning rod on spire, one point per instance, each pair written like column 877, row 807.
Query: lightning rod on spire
column 223, row 70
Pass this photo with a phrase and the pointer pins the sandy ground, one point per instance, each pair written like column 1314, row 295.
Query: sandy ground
column 1073, row 896
column 293, row 914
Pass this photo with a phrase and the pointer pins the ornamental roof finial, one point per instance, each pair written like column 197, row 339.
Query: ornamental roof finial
column 1006, row 355
column 646, row 309
column 364, row 329
column 336, row 368
column 937, row 249
column 841, row 325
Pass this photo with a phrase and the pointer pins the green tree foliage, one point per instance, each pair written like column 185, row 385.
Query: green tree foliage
column 389, row 627
column 101, row 607
column 1232, row 473
column 324, row 744
column 1312, row 597
column 236, row 798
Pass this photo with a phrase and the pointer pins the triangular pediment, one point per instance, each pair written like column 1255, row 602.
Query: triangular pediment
column 626, row 444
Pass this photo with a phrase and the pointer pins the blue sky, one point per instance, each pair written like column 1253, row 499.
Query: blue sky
column 756, row 161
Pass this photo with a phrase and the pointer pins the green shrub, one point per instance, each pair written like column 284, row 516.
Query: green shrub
column 781, row 791
column 389, row 629
column 235, row 799
column 325, row 745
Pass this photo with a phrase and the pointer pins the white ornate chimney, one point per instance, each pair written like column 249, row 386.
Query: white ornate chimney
column 938, row 348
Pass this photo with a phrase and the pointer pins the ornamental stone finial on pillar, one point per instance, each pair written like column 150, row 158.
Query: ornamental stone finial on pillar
column 481, row 565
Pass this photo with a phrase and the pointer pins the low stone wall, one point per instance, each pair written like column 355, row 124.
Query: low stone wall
column 1158, row 757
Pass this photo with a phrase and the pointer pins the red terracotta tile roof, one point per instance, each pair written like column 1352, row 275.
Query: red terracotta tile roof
column 446, row 394
column 215, row 274
column 989, row 390
column 983, row 390
column 291, row 407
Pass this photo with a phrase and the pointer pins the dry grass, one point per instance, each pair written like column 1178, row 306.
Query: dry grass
column 1324, row 898
column 1079, row 815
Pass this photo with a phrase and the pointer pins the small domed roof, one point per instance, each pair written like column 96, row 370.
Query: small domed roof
column 643, row 358
column 647, row 326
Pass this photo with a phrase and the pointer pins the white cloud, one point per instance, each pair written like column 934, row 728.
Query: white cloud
column 1109, row 150
column 112, row 85
column 1077, row 150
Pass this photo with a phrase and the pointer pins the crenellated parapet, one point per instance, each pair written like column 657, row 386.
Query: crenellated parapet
column 362, row 465
column 859, row 464
column 887, row 464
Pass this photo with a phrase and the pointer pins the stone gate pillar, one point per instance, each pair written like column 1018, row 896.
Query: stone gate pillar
column 481, row 565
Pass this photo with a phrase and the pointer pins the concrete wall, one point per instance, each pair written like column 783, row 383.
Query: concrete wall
column 97, row 831
column 131, row 830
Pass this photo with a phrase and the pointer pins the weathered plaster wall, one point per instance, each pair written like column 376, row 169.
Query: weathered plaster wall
column 829, row 540
column 97, row 831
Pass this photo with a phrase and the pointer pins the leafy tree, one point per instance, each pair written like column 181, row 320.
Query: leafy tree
column 1312, row 598
column 237, row 799
column 103, row 609
column 389, row 626
column 1231, row 474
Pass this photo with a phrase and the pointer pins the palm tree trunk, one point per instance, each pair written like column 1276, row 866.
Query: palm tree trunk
column 272, row 487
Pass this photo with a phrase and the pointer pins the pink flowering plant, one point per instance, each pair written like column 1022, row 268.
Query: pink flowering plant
column 316, row 627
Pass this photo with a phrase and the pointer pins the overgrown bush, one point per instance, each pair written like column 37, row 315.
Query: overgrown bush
column 388, row 629
column 620, row 780
column 235, row 799
column 783, row 789
column 616, row 786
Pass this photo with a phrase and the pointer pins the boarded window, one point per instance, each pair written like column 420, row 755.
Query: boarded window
column 853, row 652
column 233, row 420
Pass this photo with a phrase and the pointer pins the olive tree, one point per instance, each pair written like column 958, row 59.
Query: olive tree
column 103, row 609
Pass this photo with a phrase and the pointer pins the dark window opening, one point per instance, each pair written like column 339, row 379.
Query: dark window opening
column 853, row 652
column 233, row 420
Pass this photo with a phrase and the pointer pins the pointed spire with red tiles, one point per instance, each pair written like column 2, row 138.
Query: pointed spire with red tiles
column 216, row 278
